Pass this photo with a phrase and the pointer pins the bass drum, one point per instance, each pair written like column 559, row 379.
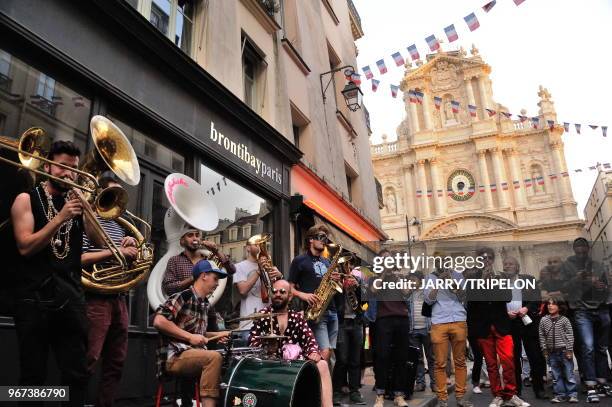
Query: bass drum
column 272, row 383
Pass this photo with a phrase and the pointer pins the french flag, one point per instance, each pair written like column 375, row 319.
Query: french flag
column 518, row 2
column 493, row 187
column 566, row 127
column 593, row 126
column 508, row 115
column 412, row 96
column 451, row 33
column 433, row 43
column 504, row 185
column 551, row 124
column 455, row 106
column 419, row 97
column 528, row 182
column 394, row 89
column 577, row 127
column 471, row 191
column 487, row 7
column 604, row 131
column 491, row 112
column 398, row 58
column 414, row 52
column 606, row 166
column 552, row 176
column 367, row 72
column 375, row 84
column 481, row 188
column 440, row 193
column 516, row 184
column 578, row 170
column 472, row 110
column 565, row 174
column 437, row 102
column 472, row 21
column 449, row 191
column 356, row 78
column 522, row 118
column 535, row 121
column 419, row 193
column 429, row 193
column 381, row 66
column 540, row 180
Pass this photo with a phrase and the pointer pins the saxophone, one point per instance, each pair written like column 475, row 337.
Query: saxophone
column 328, row 287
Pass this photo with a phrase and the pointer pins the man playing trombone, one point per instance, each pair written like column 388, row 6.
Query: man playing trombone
column 48, row 229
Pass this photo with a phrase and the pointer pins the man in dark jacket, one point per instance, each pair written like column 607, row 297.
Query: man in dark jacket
column 488, row 321
column 523, row 312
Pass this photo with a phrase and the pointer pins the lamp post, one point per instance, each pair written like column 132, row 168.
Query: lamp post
column 351, row 92
column 414, row 222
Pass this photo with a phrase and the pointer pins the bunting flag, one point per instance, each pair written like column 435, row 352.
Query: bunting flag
column 455, row 106
column 578, row 170
column 507, row 114
column 451, row 33
column 438, row 102
column 522, row 118
column 577, row 128
column 414, row 53
column 518, row 2
column 472, row 110
column 440, row 193
column 398, row 58
column 535, row 121
column 565, row 174
column 367, row 72
column 516, row 184
column 78, row 101
column 375, row 84
column 540, row 180
column 394, row 89
column 471, row 190
column 528, row 182
column 487, row 7
column 504, row 185
column 594, row 127
column 551, row 124
column 491, row 112
column 419, row 193
column 606, row 166
column 552, row 176
column 472, row 21
column 593, row 167
column 356, row 78
column 412, row 96
column 433, row 43
column 481, row 188
column 429, row 193
column 449, row 191
column 381, row 66
column 604, row 131
column 566, row 127
column 419, row 97
column 493, row 187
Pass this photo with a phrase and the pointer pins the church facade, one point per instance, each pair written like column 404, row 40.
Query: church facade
column 462, row 170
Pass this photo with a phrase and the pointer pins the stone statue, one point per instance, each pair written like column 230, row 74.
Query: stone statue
column 448, row 112
column 391, row 204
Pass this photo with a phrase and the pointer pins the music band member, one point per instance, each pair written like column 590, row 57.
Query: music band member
column 248, row 282
column 296, row 329
column 48, row 229
column 107, row 313
column 305, row 274
column 182, row 321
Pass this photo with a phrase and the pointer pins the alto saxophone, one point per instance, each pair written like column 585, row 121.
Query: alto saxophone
column 328, row 287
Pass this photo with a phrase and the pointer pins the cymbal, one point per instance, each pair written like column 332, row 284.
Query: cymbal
column 255, row 315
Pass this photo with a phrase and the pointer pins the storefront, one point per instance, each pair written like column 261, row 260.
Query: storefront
column 63, row 62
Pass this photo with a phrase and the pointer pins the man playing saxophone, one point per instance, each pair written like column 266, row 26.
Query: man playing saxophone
column 305, row 275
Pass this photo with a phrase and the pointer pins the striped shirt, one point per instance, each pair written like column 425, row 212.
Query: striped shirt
column 556, row 333
column 112, row 228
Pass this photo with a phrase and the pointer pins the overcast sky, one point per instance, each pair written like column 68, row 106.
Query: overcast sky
column 560, row 44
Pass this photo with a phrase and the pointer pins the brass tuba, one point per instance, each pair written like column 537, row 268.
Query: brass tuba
column 328, row 287
column 265, row 264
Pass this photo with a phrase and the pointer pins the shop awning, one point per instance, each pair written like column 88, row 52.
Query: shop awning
column 326, row 202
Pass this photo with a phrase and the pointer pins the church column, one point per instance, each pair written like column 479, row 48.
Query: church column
column 515, row 170
column 422, row 184
column 414, row 118
column 428, row 123
column 409, row 196
column 563, row 182
column 470, row 94
column 484, row 178
column 437, row 186
column 500, row 177
column 484, row 97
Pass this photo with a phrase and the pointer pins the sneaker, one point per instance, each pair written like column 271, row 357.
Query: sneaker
column 442, row 403
column 557, row 399
column 419, row 387
column 515, row 401
column 604, row 390
column 592, row 396
column 356, row 398
column 486, row 384
column 477, row 390
column 380, row 400
column 497, row 402
column 337, row 398
column 573, row 399
column 399, row 401
column 463, row 402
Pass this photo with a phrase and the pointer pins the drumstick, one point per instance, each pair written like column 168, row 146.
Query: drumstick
column 223, row 335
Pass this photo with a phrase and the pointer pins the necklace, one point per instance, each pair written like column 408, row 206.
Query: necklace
column 61, row 238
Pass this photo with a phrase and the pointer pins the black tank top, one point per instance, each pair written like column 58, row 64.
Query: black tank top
column 43, row 277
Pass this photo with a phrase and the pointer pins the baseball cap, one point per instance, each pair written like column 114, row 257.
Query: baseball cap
column 207, row 266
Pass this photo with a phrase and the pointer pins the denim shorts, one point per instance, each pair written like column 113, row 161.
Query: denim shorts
column 326, row 330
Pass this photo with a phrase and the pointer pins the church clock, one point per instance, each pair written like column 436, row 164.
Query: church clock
column 461, row 185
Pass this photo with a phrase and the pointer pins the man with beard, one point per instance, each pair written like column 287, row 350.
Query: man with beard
column 586, row 289
column 50, row 311
column 292, row 325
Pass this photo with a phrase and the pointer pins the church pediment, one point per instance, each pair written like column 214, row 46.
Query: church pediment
column 444, row 68
column 468, row 225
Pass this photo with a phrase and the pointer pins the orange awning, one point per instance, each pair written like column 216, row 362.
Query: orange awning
column 326, row 202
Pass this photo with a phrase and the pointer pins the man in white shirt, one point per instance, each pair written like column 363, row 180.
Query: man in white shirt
column 248, row 282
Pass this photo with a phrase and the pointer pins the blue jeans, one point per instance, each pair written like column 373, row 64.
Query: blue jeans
column 593, row 327
column 563, row 374
column 326, row 330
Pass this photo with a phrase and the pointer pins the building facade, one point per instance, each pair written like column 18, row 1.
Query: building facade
column 598, row 217
column 230, row 93
column 461, row 170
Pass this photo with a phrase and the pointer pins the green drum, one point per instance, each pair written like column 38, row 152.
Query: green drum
column 251, row 382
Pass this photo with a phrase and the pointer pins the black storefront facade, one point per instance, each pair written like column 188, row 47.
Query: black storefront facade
column 111, row 61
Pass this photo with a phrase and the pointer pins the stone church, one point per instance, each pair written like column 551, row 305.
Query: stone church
column 457, row 175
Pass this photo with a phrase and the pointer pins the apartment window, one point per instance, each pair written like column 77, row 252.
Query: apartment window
column 246, row 231
column 253, row 62
column 291, row 27
column 46, row 87
column 349, row 187
column 296, row 135
column 173, row 18
column 5, row 64
column 233, row 234
column 299, row 122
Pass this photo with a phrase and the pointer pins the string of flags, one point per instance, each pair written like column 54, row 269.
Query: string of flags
column 472, row 22
column 211, row 190
column 504, row 186
column 44, row 102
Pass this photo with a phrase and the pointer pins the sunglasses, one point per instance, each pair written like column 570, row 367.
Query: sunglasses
column 279, row 290
column 321, row 237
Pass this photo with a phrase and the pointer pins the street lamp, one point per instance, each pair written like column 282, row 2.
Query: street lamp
column 351, row 92
column 414, row 222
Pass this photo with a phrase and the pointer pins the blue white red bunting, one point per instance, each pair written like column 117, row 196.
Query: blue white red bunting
column 487, row 7
column 394, row 90
column 414, row 53
column 398, row 58
column 518, row 2
column 471, row 21
column 455, row 106
column 437, row 102
column 375, row 84
column 433, row 43
column 367, row 72
column 451, row 33
column 381, row 66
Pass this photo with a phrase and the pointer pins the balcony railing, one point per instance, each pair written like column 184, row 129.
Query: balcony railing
column 355, row 21
column 384, row 148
